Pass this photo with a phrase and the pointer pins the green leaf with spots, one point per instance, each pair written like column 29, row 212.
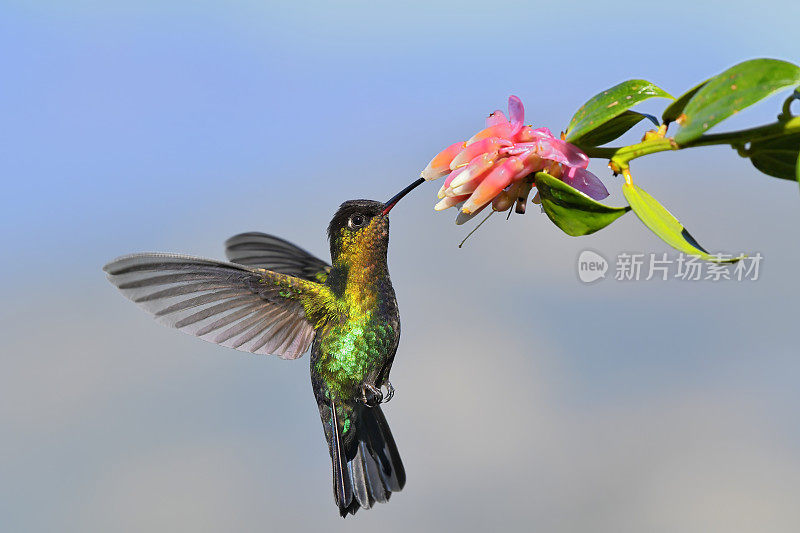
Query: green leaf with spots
column 738, row 87
column 661, row 222
column 571, row 210
column 776, row 156
column 614, row 128
column 609, row 104
column 675, row 109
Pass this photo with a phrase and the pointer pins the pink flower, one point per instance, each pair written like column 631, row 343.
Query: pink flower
column 496, row 164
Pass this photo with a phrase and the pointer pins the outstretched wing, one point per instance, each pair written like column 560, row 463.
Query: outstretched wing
column 275, row 254
column 241, row 307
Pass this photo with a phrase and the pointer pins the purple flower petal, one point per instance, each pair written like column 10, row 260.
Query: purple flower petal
column 562, row 152
column 585, row 181
column 516, row 110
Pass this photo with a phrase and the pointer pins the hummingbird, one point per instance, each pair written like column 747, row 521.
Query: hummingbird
column 272, row 297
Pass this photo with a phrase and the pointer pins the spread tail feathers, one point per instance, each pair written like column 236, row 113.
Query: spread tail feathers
column 368, row 468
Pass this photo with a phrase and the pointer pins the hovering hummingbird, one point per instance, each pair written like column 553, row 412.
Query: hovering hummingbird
column 275, row 298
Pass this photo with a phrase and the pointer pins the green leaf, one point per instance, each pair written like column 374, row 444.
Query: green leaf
column 609, row 104
column 664, row 224
column 776, row 156
column 797, row 170
column 571, row 210
column 614, row 128
column 738, row 87
column 674, row 110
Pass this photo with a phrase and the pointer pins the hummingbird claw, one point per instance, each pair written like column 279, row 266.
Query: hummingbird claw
column 389, row 391
column 370, row 395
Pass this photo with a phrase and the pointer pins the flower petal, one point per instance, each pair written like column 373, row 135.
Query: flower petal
column 450, row 201
column 516, row 111
column 522, row 196
column 562, row 152
column 449, row 179
column 488, row 145
column 498, row 117
column 464, row 188
column 474, row 169
column 553, row 168
column 440, row 164
column 503, row 130
column 529, row 134
column 498, row 179
column 453, row 175
column 504, row 200
column 531, row 163
column 586, row 182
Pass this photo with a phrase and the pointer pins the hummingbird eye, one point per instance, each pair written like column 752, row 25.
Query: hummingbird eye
column 356, row 221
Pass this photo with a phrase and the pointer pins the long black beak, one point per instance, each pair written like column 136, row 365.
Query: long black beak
column 396, row 198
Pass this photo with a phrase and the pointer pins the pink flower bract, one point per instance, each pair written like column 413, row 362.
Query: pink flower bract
column 496, row 160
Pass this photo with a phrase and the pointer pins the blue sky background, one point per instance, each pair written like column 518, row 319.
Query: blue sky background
column 524, row 398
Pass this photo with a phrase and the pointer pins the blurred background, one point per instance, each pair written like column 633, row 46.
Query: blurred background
column 525, row 399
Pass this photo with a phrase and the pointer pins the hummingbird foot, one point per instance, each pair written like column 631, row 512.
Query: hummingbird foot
column 371, row 395
column 389, row 391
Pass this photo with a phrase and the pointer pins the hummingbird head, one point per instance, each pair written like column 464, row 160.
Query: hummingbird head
column 358, row 227
column 361, row 227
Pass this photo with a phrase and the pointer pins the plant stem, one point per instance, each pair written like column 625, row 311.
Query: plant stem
column 622, row 156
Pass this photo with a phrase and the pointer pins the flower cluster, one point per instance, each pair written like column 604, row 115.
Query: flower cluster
column 497, row 165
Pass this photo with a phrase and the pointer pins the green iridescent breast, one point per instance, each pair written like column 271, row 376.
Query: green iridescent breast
column 352, row 351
